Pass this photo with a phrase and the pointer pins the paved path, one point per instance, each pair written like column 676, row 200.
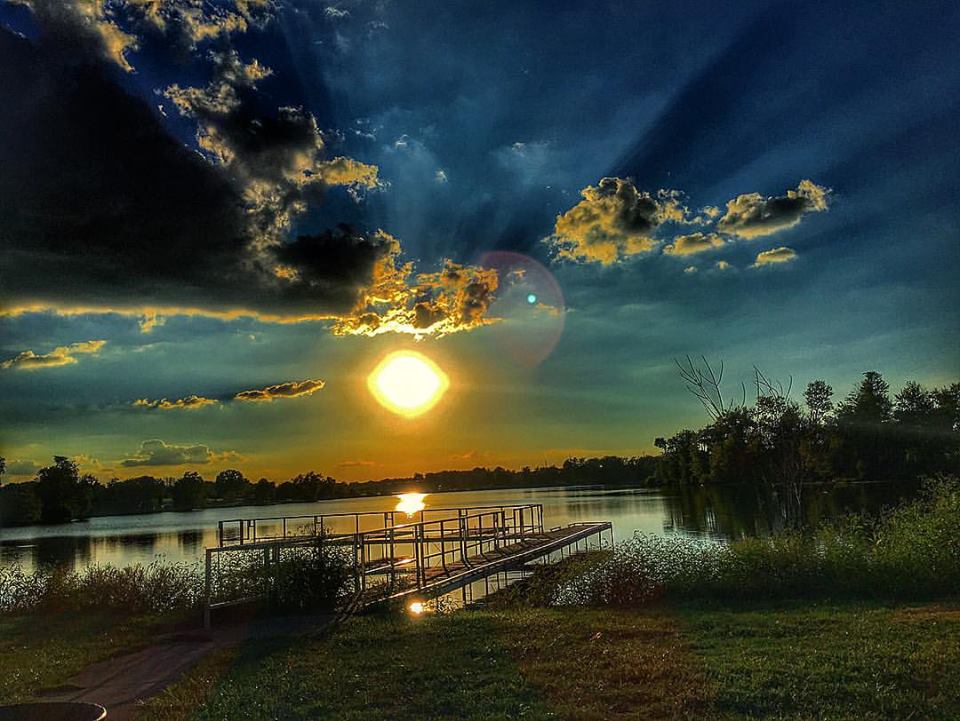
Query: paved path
column 121, row 683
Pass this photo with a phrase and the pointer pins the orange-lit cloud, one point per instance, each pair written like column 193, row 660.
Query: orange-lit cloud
column 694, row 243
column 774, row 256
column 60, row 356
column 191, row 402
column 451, row 300
column 614, row 220
column 752, row 216
column 290, row 389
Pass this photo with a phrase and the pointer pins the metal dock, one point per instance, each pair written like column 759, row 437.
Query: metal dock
column 441, row 551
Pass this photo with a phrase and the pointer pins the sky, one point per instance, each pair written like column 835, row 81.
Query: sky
column 217, row 218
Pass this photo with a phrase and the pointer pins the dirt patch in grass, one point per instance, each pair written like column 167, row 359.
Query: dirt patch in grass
column 594, row 665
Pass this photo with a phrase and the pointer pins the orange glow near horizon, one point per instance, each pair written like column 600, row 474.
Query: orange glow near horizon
column 407, row 383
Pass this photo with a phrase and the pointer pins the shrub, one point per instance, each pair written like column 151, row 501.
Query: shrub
column 308, row 579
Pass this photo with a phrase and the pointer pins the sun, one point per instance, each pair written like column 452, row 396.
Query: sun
column 407, row 383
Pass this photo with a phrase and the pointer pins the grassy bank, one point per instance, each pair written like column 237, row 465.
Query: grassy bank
column 838, row 662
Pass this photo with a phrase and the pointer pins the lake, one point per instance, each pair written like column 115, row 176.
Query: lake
column 720, row 512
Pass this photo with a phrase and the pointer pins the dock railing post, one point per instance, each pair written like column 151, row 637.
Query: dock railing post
column 363, row 563
column 207, row 588
column 463, row 538
column 443, row 547
column 418, row 552
column 393, row 557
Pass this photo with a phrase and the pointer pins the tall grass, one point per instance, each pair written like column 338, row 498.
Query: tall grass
column 911, row 552
column 304, row 579
column 156, row 587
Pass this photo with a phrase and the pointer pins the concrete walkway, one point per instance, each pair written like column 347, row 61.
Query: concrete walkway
column 122, row 682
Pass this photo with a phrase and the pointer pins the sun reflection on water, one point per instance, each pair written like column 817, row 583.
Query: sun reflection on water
column 411, row 503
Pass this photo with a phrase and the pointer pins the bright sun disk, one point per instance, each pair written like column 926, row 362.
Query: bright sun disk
column 407, row 383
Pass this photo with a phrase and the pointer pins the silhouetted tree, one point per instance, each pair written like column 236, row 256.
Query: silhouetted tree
column 869, row 403
column 188, row 492
column 19, row 504
column 264, row 491
column 230, row 485
column 819, row 399
column 63, row 494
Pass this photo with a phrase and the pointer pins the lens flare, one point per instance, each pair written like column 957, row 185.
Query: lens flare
column 411, row 503
column 416, row 608
column 407, row 383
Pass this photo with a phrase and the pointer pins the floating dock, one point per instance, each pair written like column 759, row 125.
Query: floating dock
column 443, row 550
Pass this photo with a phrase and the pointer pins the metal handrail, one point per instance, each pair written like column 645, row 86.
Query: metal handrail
column 247, row 527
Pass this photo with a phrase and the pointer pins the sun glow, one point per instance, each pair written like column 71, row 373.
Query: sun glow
column 411, row 503
column 407, row 383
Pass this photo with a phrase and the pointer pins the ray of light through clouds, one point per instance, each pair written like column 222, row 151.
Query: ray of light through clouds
column 240, row 198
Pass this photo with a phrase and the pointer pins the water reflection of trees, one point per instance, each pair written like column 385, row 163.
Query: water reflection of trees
column 738, row 511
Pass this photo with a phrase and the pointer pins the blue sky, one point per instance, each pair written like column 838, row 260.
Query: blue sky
column 485, row 121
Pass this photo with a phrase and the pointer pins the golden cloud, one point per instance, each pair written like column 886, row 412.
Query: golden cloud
column 451, row 300
column 614, row 220
column 187, row 403
column 290, row 389
column 60, row 356
column 109, row 25
column 693, row 243
column 752, row 216
column 774, row 256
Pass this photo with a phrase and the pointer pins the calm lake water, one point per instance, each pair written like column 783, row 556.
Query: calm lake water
column 719, row 512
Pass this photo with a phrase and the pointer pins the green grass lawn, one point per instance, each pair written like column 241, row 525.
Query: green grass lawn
column 795, row 661
column 798, row 662
column 38, row 652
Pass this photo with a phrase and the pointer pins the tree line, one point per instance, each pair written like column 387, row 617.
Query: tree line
column 774, row 443
column 60, row 493
column 869, row 435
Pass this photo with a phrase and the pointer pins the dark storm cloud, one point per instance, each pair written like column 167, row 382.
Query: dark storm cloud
column 101, row 207
column 110, row 29
column 290, row 389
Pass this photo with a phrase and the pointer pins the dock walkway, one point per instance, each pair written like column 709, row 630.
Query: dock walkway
column 445, row 550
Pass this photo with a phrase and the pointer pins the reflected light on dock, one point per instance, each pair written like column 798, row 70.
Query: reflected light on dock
column 411, row 503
